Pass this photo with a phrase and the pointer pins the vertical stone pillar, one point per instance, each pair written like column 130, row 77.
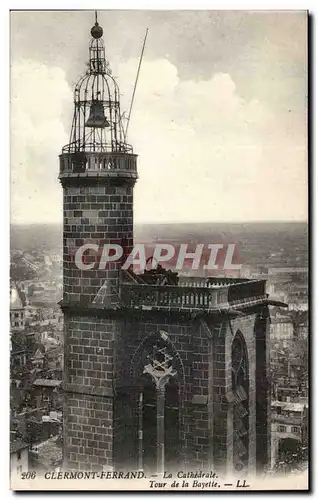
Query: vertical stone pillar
column 140, row 432
column 263, row 400
column 160, row 378
column 160, row 428
column 222, row 408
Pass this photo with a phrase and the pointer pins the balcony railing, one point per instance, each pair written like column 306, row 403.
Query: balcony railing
column 172, row 296
column 246, row 291
column 190, row 297
column 225, row 281
column 109, row 164
column 214, row 282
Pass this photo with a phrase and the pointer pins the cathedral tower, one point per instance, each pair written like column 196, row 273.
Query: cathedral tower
column 157, row 376
column 97, row 172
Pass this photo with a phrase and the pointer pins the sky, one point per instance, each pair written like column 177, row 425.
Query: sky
column 219, row 120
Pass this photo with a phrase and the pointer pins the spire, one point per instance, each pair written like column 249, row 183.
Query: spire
column 98, row 122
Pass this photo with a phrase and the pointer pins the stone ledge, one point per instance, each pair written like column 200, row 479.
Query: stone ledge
column 89, row 391
column 68, row 181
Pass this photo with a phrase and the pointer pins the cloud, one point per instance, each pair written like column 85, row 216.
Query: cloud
column 205, row 153
column 39, row 95
column 208, row 154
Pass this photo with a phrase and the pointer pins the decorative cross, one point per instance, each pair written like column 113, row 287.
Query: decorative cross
column 160, row 367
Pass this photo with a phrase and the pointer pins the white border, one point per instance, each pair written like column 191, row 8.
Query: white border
column 160, row 5
column 4, row 169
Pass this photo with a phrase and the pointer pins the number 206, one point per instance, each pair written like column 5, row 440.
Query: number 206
column 28, row 475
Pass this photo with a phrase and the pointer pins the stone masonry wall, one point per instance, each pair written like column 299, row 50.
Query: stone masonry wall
column 205, row 351
column 88, row 386
column 101, row 424
column 98, row 214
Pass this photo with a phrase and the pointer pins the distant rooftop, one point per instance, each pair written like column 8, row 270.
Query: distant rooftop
column 284, row 405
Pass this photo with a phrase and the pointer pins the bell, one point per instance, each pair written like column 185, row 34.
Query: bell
column 96, row 117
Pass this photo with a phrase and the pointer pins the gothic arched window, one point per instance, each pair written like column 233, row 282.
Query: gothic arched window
column 158, row 374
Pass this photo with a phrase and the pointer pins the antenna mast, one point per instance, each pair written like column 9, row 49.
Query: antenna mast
column 136, row 81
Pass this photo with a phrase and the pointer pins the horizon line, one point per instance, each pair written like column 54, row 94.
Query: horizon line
column 281, row 221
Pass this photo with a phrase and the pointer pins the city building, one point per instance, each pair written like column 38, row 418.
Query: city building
column 289, row 428
column 281, row 330
column 19, row 456
column 46, row 392
column 156, row 375
column 288, row 390
column 17, row 308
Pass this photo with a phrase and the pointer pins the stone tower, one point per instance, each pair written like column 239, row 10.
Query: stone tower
column 158, row 374
column 97, row 172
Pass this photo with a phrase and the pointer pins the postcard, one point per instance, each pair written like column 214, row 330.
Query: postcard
column 159, row 250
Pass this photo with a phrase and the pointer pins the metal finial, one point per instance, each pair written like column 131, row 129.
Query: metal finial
column 97, row 30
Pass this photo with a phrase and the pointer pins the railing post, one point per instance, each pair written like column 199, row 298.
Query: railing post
column 140, row 432
column 160, row 429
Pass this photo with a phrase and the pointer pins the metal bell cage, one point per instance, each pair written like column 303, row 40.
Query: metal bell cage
column 97, row 122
